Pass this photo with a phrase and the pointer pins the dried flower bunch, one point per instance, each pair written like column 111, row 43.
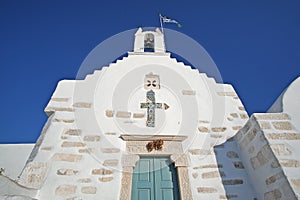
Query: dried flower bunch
column 155, row 145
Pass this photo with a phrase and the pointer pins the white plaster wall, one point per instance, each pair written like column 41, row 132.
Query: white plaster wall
column 195, row 101
column 13, row 158
column 288, row 102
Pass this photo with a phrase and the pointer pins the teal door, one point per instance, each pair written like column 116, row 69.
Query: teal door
column 154, row 179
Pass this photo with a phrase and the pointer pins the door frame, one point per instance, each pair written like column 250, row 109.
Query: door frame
column 136, row 146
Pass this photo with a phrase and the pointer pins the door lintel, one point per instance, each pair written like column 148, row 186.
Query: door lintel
column 136, row 146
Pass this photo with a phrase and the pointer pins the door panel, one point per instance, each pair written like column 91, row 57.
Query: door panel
column 167, row 194
column 144, row 169
column 144, row 194
column 142, row 180
column 154, row 179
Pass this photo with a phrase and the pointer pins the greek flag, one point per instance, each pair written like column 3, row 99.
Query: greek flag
column 169, row 20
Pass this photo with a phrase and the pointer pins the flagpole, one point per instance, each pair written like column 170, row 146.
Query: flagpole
column 161, row 25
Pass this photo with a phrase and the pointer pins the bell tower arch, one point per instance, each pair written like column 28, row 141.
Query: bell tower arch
column 149, row 41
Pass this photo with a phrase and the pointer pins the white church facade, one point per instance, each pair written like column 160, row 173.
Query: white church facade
column 149, row 128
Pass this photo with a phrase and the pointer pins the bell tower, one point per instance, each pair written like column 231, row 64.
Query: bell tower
column 149, row 41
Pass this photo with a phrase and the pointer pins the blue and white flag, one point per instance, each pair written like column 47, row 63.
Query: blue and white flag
column 169, row 20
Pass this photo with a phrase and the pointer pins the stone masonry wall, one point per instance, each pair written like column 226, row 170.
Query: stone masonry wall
column 269, row 157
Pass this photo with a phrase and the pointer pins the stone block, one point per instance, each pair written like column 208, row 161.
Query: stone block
column 242, row 108
column 251, row 149
column 203, row 129
column 72, row 144
column 272, row 116
column 218, row 129
column 110, row 150
column 239, row 135
column 138, row 115
column 251, row 134
column 238, row 165
column 64, row 190
column 89, row 190
column 275, row 164
column 203, row 122
column 273, row 195
column 64, row 137
column 280, row 149
column 232, row 182
column 215, row 136
column 34, row 174
column 91, row 138
column 270, row 180
column 206, row 190
column 234, row 115
column 123, row 114
column 229, row 119
column 86, row 150
column 289, row 163
column 264, row 125
column 84, row 180
column 244, row 116
column 261, row 158
column 254, row 162
column 101, row 171
column 57, row 99
column 46, row 148
column 283, row 136
column 189, row 92
column 236, row 128
column 109, row 113
column 296, row 183
column 232, row 154
column 110, row 133
column 105, row 179
column 282, row 125
column 67, row 172
column 244, row 142
column 213, row 174
column 110, row 163
column 266, row 151
column 61, row 109
column 82, row 105
column 194, row 175
column 200, row 152
column 66, row 157
column 73, row 132
column 274, row 178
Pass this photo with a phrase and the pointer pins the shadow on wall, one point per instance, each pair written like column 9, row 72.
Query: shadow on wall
column 231, row 170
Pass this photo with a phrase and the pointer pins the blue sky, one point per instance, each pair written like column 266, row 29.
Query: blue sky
column 255, row 44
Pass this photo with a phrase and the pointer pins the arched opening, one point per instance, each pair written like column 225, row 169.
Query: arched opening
column 149, row 42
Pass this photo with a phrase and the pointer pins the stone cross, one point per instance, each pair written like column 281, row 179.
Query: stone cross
column 151, row 106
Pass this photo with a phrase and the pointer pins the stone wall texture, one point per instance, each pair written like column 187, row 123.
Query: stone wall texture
column 269, row 154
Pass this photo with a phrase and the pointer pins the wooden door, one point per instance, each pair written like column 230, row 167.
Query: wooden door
column 154, row 178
